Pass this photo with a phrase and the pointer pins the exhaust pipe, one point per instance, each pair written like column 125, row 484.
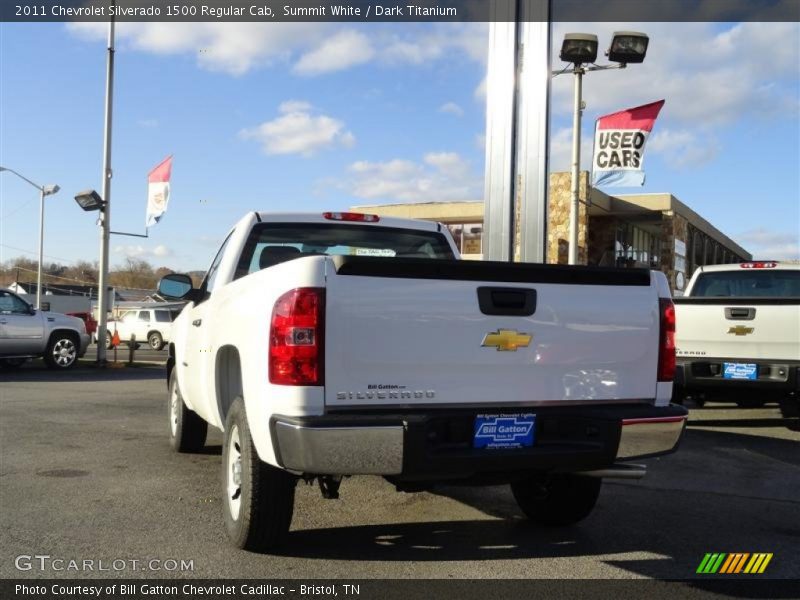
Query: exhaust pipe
column 618, row 471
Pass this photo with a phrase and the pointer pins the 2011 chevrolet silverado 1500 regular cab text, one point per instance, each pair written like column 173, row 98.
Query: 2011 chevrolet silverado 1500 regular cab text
column 738, row 333
column 341, row 344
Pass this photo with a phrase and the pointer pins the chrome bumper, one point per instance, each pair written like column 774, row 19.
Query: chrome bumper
column 376, row 450
column 649, row 436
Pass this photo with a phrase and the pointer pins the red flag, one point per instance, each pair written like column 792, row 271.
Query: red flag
column 158, row 191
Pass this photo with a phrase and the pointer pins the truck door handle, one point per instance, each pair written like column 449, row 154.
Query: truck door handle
column 736, row 313
column 514, row 302
column 197, row 322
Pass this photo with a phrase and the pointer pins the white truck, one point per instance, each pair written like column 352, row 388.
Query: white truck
column 338, row 344
column 738, row 334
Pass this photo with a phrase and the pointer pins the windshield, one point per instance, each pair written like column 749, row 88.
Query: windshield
column 273, row 243
column 752, row 283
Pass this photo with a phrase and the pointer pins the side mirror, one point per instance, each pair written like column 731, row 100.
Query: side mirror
column 31, row 309
column 176, row 286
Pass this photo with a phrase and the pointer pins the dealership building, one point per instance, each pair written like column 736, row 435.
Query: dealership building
column 632, row 230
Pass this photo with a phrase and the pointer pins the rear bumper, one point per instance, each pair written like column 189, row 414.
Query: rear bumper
column 437, row 444
column 706, row 375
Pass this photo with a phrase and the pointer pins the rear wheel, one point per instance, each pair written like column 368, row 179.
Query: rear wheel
column 187, row 431
column 155, row 340
column 258, row 499
column 61, row 351
column 557, row 499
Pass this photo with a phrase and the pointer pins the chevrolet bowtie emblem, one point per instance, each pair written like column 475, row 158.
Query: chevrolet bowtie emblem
column 740, row 330
column 506, row 340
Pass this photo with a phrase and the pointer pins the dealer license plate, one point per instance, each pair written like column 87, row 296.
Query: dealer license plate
column 504, row 431
column 740, row 371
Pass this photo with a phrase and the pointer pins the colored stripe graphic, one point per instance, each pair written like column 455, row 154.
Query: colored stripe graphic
column 734, row 563
column 758, row 563
column 711, row 562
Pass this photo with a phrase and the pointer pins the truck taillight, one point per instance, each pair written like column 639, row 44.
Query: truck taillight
column 351, row 216
column 666, row 345
column 768, row 264
column 296, row 348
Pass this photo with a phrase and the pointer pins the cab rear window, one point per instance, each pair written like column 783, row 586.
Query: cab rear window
column 273, row 243
column 770, row 283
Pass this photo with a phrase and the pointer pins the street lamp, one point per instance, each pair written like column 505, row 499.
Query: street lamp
column 580, row 49
column 44, row 190
column 90, row 200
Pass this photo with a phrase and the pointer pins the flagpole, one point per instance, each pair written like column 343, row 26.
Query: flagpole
column 105, row 214
column 574, row 206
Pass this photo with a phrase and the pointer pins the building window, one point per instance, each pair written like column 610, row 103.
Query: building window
column 636, row 246
column 467, row 237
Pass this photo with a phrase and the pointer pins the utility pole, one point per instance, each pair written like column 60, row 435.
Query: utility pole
column 105, row 213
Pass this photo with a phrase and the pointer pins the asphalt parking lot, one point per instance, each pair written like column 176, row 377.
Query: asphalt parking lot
column 86, row 473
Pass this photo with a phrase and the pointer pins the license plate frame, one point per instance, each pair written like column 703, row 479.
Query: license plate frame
column 504, row 431
column 740, row 371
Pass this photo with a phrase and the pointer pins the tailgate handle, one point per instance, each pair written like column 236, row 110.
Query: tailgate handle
column 740, row 314
column 515, row 302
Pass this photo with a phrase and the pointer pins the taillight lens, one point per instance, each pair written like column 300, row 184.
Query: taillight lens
column 666, row 347
column 296, row 348
column 351, row 216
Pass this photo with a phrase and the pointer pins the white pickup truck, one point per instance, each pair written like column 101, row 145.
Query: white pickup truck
column 339, row 344
column 738, row 334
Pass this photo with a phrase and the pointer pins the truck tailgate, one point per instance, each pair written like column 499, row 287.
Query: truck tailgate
column 415, row 332
column 764, row 328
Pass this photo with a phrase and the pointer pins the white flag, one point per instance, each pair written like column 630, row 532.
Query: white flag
column 158, row 191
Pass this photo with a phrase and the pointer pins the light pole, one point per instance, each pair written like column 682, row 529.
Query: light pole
column 580, row 49
column 44, row 190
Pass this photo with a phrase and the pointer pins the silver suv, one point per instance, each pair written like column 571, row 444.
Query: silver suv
column 28, row 333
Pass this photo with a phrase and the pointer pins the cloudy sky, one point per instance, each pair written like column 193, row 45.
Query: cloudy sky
column 313, row 116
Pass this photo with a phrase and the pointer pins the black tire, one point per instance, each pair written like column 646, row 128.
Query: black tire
column 109, row 345
column 263, row 494
column 12, row 363
column 187, row 430
column 557, row 499
column 155, row 340
column 62, row 350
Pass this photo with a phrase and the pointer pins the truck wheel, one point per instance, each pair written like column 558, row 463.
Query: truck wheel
column 557, row 499
column 109, row 345
column 61, row 351
column 258, row 499
column 187, row 430
column 155, row 340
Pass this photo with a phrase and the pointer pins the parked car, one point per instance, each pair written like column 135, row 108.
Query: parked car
column 88, row 320
column 150, row 325
column 28, row 333
column 335, row 344
column 738, row 334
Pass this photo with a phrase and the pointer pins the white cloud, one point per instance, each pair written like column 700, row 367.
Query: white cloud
column 298, row 131
column 707, row 76
column 233, row 48
column 451, row 108
column 766, row 244
column 441, row 176
column 143, row 252
column 683, row 148
column 341, row 51
column 560, row 156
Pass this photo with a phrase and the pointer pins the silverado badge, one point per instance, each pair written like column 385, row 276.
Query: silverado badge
column 740, row 330
column 506, row 340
